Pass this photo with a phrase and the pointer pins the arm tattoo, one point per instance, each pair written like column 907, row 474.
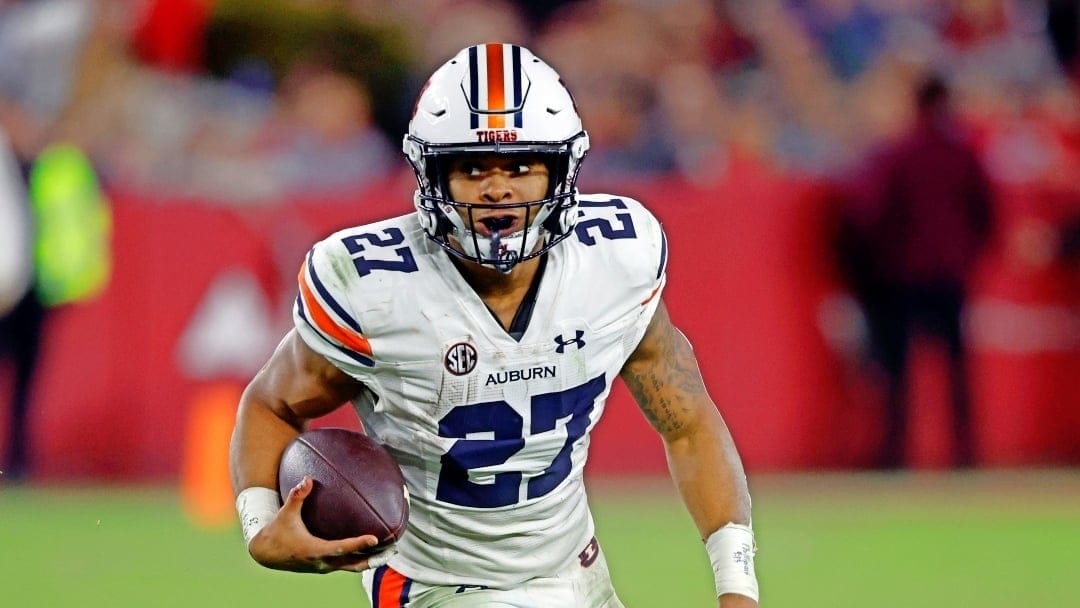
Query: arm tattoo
column 665, row 381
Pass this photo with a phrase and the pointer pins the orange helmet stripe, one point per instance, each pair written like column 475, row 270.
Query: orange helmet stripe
column 496, row 86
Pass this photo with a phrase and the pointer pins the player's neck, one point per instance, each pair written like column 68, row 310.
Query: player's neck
column 504, row 293
column 488, row 282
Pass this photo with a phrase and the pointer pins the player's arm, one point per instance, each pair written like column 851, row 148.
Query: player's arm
column 296, row 385
column 664, row 378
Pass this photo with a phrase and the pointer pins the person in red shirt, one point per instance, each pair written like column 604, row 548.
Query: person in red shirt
column 921, row 227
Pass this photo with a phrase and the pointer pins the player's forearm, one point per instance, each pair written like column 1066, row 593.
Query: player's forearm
column 258, row 439
column 295, row 385
column 709, row 475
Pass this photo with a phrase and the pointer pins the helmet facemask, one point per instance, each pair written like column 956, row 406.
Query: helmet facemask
column 495, row 99
column 452, row 224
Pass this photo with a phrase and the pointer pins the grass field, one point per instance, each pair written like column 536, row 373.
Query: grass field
column 839, row 540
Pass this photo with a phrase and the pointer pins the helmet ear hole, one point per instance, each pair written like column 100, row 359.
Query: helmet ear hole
column 552, row 223
column 432, row 219
column 435, row 177
column 429, row 218
column 562, row 218
column 443, row 225
column 556, row 166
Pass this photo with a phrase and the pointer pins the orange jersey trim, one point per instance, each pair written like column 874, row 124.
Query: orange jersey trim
column 325, row 323
column 652, row 295
column 393, row 583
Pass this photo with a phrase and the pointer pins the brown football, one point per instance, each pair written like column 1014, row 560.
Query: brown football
column 358, row 487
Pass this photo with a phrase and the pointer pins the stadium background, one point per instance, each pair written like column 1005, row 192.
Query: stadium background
column 230, row 135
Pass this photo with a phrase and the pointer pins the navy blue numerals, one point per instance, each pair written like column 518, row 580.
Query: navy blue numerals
column 376, row 253
column 608, row 230
column 490, row 434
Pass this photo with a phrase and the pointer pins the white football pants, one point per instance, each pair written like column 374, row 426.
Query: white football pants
column 584, row 583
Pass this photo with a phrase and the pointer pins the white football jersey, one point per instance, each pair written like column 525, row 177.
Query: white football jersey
column 491, row 433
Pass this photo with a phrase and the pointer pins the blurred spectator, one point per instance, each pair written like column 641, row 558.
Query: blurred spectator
column 40, row 46
column 49, row 62
column 14, row 230
column 441, row 33
column 849, row 32
column 630, row 139
column 315, row 136
column 697, row 115
column 615, row 84
column 693, row 31
column 538, row 13
column 969, row 23
column 71, row 262
column 278, row 35
column 728, row 46
column 20, row 312
column 916, row 234
column 41, row 42
column 72, row 227
column 331, row 144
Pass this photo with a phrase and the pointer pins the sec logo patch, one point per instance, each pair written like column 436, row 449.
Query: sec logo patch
column 460, row 359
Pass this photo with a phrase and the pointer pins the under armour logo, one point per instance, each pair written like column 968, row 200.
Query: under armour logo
column 578, row 340
column 464, row 588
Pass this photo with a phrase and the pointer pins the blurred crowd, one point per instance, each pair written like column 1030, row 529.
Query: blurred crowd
column 244, row 102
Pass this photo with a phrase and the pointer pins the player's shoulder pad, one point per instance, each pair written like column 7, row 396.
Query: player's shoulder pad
column 345, row 259
column 342, row 301
column 625, row 230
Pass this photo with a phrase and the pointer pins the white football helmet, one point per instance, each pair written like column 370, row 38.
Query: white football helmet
column 495, row 98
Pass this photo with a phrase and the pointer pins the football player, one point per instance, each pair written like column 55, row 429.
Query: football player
column 478, row 339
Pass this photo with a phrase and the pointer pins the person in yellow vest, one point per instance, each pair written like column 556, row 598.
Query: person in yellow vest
column 68, row 260
column 73, row 226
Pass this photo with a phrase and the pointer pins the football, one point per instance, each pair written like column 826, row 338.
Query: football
column 358, row 488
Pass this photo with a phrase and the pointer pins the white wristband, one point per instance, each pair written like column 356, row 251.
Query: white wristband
column 257, row 507
column 731, row 550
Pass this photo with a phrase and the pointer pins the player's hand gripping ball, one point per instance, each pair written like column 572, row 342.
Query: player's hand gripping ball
column 358, row 488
